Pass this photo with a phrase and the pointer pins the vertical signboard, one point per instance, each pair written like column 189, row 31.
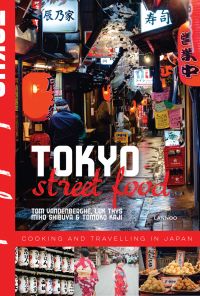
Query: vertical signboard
column 151, row 254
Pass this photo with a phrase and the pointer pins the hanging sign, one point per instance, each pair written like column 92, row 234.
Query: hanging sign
column 180, row 257
column 175, row 118
column 162, row 119
column 194, row 13
column 36, row 4
column 153, row 20
column 189, row 64
column 142, row 78
column 160, row 107
column 60, row 16
column 161, row 96
column 151, row 255
column 38, row 95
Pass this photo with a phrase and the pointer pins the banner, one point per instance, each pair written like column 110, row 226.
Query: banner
column 175, row 118
column 162, row 119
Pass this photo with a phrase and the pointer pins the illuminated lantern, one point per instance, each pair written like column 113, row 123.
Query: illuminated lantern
column 132, row 109
column 107, row 93
column 189, row 65
column 42, row 139
column 145, row 119
column 194, row 13
column 144, row 102
column 38, row 95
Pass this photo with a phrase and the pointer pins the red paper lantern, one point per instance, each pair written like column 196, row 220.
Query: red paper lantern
column 107, row 93
column 42, row 139
column 194, row 13
column 38, row 95
column 189, row 64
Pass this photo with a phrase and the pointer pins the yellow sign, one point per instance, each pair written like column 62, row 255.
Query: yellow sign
column 162, row 119
column 121, row 137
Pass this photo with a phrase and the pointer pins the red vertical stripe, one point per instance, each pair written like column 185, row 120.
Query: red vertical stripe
column 7, row 148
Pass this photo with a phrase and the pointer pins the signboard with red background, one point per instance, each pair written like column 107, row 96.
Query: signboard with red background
column 189, row 63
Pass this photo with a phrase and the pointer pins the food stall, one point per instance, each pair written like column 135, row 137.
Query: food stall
column 174, row 273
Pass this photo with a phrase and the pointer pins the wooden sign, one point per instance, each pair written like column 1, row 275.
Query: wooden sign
column 180, row 257
column 151, row 255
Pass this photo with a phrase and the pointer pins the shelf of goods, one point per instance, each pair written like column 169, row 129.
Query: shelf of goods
column 44, row 271
column 175, row 165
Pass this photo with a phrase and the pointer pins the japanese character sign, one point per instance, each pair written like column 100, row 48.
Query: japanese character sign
column 60, row 16
column 153, row 20
column 189, row 63
column 151, row 262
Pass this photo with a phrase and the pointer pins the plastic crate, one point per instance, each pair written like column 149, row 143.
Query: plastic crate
column 176, row 180
column 174, row 160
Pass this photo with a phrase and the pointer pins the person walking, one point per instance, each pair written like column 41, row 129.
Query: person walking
column 86, row 274
column 66, row 127
column 121, row 286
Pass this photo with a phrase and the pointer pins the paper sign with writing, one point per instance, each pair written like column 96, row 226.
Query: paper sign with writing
column 161, row 96
column 180, row 257
column 175, row 118
column 169, row 281
column 151, row 262
column 160, row 107
column 162, row 119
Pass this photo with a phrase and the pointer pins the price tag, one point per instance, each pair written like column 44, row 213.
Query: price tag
column 169, row 281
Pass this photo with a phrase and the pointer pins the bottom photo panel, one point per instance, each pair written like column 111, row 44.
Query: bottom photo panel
column 107, row 271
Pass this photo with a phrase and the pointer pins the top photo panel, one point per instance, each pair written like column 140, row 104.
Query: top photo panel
column 107, row 115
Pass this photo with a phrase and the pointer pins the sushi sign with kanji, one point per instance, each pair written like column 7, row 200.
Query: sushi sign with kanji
column 153, row 20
